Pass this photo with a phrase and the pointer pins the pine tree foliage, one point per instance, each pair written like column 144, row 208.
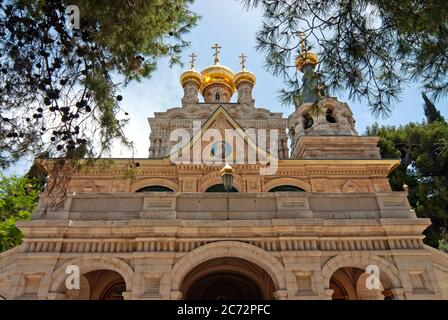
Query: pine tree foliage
column 370, row 48
column 431, row 113
column 59, row 85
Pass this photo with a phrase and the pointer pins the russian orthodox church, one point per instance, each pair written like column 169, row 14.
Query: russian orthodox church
column 322, row 224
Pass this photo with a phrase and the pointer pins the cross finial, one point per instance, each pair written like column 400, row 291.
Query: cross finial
column 243, row 61
column 216, row 47
column 193, row 57
column 302, row 41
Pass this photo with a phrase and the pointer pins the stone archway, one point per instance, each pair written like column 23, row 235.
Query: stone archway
column 228, row 249
column 99, row 285
column 227, row 279
column 351, row 284
column 334, row 278
column 110, row 270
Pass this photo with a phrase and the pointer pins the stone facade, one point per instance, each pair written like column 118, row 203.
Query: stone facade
column 332, row 216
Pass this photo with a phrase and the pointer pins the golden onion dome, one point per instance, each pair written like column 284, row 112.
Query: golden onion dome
column 306, row 57
column 244, row 76
column 191, row 75
column 217, row 74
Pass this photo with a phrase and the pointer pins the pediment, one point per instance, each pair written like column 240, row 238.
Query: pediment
column 221, row 139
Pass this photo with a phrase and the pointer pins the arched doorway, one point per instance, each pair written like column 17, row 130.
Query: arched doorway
column 349, row 283
column 227, row 278
column 99, row 285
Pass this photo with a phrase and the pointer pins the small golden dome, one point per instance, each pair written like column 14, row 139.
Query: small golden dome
column 306, row 57
column 244, row 76
column 217, row 74
column 191, row 75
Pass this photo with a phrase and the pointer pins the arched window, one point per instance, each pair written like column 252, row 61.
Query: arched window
column 219, row 188
column 329, row 116
column 155, row 189
column 308, row 121
column 286, row 188
column 217, row 96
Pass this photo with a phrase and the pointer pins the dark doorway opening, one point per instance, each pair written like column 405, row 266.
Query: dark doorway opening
column 227, row 278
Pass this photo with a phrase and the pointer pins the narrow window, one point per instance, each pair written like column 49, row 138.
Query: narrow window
column 217, row 96
column 329, row 116
column 308, row 121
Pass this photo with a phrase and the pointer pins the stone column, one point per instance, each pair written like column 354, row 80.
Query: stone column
column 280, row 295
column 176, row 295
column 328, row 294
column 127, row 295
column 398, row 293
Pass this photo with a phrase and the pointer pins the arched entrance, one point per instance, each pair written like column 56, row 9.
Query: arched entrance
column 99, row 285
column 346, row 274
column 350, row 283
column 101, row 278
column 227, row 278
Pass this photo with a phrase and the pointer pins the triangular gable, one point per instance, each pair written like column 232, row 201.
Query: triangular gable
column 221, row 115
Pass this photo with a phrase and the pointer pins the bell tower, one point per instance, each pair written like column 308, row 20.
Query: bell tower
column 321, row 126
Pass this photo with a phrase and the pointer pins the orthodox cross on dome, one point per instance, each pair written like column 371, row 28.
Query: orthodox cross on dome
column 216, row 47
column 302, row 41
column 193, row 57
column 243, row 61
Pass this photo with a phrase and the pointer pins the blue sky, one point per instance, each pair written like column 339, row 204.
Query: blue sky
column 227, row 23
